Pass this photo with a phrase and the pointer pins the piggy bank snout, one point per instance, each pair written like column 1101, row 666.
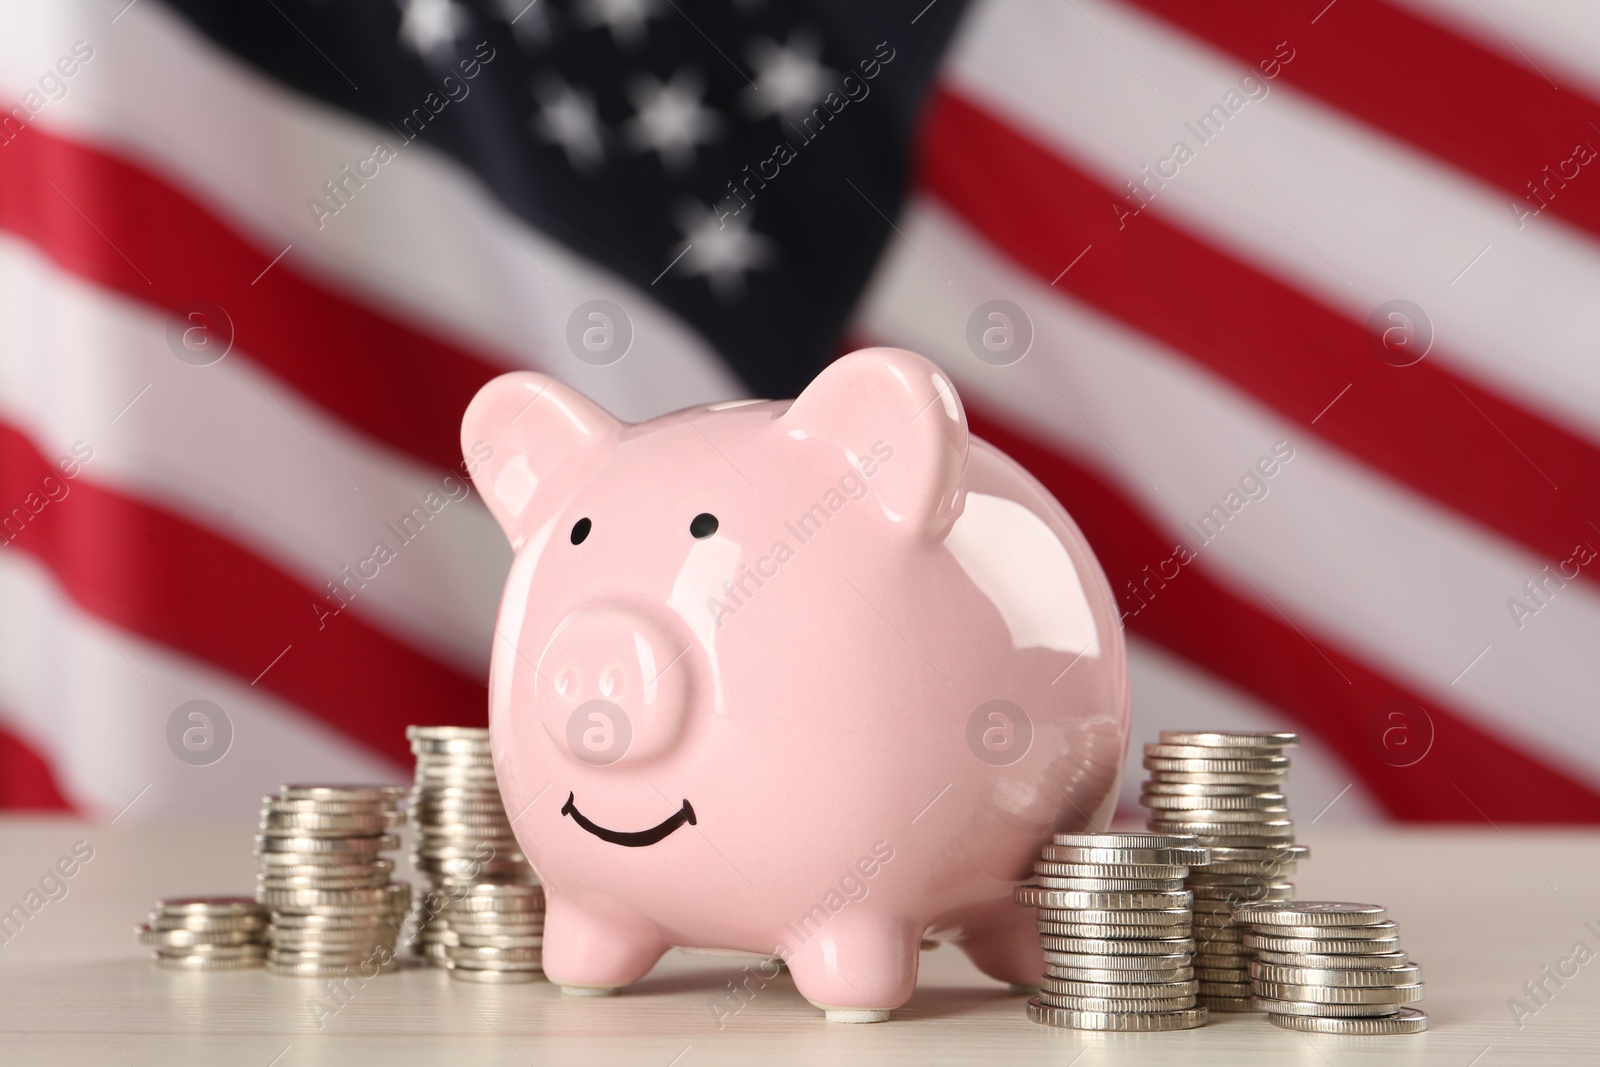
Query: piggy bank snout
column 613, row 684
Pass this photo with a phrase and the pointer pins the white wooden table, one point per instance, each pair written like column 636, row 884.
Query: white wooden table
column 1483, row 913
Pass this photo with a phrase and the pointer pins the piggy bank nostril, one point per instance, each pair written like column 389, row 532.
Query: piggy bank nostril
column 611, row 682
column 566, row 683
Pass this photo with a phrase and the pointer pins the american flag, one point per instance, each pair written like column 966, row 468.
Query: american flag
column 1291, row 303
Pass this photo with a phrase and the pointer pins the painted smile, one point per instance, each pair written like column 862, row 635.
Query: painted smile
column 631, row 838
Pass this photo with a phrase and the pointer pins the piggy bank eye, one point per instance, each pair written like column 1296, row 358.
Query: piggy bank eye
column 703, row 525
column 580, row 530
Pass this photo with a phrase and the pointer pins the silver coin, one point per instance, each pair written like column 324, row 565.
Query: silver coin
column 1123, row 840
column 1225, row 989
column 1216, row 739
column 1405, row 1021
column 1255, row 778
column 1044, row 897
column 346, row 845
column 203, row 924
column 209, row 907
column 1116, row 917
column 389, row 794
column 1142, row 962
column 188, row 937
column 1406, row 974
column 1245, row 819
column 1219, row 765
column 1111, row 885
column 1187, row 856
column 1110, row 870
column 206, row 963
column 1119, row 990
column 1318, row 994
column 1158, row 750
column 495, row 977
column 1372, row 961
column 1099, row 946
column 1114, row 932
column 487, row 953
column 1265, row 831
column 1214, row 977
column 535, row 941
column 1127, row 1022
column 1320, row 913
column 1327, row 940
column 1155, row 787
column 1329, row 1011
column 1112, row 1004
column 327, row 825
column 1210, row 802
column 1102, row 974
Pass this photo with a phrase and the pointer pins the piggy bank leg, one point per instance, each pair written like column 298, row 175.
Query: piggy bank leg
column 596, row 947
column 1004, row 944
column 857, row 968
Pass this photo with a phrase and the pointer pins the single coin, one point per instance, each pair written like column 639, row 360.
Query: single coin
column 1312, row 913
column 1100, row 974
column 1330, row 1011
column 1100, row 946
column 1076, row 899
column 1372, row 961
column 1246, row 801
column 521, row 954
column 1265, row 831
column 1114, row 917
column 1159, row 750
column 1118, row 963
column 1371, row 977
column 1187, row 856
column 328, row 825
column 1119, row 991
column 495, row 977
column 1134, row 872
column 1127, row 840
column 1219, row 765
column 202, row 924
column 1111, row 885
column 533, row 941
column 1274, row 779
column 1276, row 938
column 209, row 907
column 1229, row 1004
column 206, row 963
column 1223, row 952
column 1226, row 989
column 1113, row 1004
column 1276, row 853
column 1145, row 1022
column 1405, row 1021
column 372, row 793
column 1114, row 932
column 1243, row 818
column 1213, row 739
column 1317, row 994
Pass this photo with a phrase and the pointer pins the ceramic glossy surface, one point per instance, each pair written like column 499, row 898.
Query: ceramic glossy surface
column 810, row 679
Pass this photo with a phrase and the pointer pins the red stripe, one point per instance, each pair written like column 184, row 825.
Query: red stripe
column 26, row 781
column 1462, row 445
column 165, row 578
column 1479, row 112
column 1247, row 645
column 118, row 225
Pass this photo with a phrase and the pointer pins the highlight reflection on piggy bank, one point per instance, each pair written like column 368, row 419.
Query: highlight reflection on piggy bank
column 813, row 679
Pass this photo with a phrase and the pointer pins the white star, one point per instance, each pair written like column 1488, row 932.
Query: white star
column 669, row 119
column 429, row 26
column 789, row 80
column 624, row 18
column 567, row 116
column 721, row 250
column 528, row 19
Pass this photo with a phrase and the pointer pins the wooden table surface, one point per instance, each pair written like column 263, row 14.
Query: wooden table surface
column 1483, row 912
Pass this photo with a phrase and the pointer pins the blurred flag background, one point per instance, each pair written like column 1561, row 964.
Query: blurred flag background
column 1293, row 304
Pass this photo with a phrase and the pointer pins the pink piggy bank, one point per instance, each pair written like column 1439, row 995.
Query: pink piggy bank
column 813, row 679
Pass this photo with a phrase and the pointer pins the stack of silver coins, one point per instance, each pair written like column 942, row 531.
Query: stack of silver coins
column 462, row 838
column 1331, row 968
column 206, row 933
column 1227, row 790
column 323, row 874
column 1114, row 923
column 496, row 932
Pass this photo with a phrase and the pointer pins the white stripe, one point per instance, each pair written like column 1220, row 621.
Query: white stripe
column 1169, row 694
column 1557, row 38
column 94, row 701
column 423, row 239
column 1350, row 215
column 234, row 450
column 1354, row 560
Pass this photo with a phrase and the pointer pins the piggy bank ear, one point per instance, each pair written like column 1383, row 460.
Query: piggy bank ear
column 896, row 414
column 529, row 441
